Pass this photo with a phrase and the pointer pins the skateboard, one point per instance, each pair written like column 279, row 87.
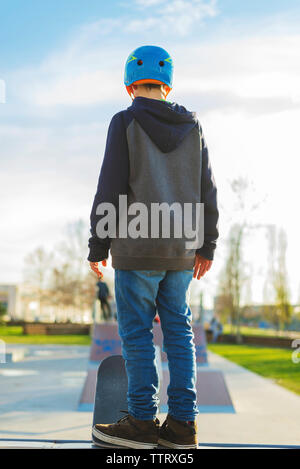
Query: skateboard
column 111, row 393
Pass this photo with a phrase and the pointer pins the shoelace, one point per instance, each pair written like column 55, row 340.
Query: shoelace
column 126, row 417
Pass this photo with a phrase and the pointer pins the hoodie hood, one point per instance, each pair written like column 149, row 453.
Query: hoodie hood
column 166, row 123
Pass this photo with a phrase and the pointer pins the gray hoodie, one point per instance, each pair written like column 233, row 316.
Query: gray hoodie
column 155, row 154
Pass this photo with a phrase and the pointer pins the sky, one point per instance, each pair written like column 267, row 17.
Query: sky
column 61, row 70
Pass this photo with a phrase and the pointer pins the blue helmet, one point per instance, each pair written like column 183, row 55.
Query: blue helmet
column 148, row 64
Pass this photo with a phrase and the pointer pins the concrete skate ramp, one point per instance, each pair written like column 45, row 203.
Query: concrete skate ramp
column 212, row 392
column 199, row 340
column 106, row 341
column 87, row 398
column 211, row 387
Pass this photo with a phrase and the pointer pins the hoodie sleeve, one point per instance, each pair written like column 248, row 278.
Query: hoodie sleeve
column 209, row 198
column 112, row 182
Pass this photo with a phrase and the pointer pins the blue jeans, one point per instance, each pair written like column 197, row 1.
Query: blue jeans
column 139, row 295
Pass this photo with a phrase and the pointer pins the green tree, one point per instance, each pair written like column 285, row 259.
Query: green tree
column 232, row 278
column 280, row 283
column 278, row 309
column 3, row 312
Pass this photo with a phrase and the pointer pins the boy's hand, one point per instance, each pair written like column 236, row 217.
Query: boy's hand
column 95, row 268
column 201, row 266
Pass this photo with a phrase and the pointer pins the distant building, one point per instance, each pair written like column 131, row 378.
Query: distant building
column 251, row 314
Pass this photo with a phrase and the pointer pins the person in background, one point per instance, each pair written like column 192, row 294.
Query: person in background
column 216, row 328
column 103, row 294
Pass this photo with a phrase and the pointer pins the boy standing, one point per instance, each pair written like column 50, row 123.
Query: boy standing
column 155, row 155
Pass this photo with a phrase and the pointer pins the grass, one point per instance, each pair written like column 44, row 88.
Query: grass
column 273, row 363
column 245, row 330
column 14, row 335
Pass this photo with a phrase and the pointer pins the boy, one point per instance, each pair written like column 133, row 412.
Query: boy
column 155, row 154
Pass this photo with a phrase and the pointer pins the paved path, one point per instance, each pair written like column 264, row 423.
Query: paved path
column 39, row 398
column 266, row 413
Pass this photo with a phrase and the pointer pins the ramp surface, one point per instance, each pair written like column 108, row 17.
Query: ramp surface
column 212, row 392
column 213, row 395
column 106, row 341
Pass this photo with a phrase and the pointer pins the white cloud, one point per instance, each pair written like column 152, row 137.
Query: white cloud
column 48, row 179
column 168, row 19
column 253, row 67
column 148, row 3
column 173, row 17
column 257, row 74
column 84, row 89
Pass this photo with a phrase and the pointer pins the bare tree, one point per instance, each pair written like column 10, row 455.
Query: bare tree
column 37, row 269
column 62, row 279
column 276, row 292
column 233, row 276
column 280, row 283
column 73, row 252
column 269, row 312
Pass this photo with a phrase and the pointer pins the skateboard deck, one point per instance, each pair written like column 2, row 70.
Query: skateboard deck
column 111, row 390
column 111, row 393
